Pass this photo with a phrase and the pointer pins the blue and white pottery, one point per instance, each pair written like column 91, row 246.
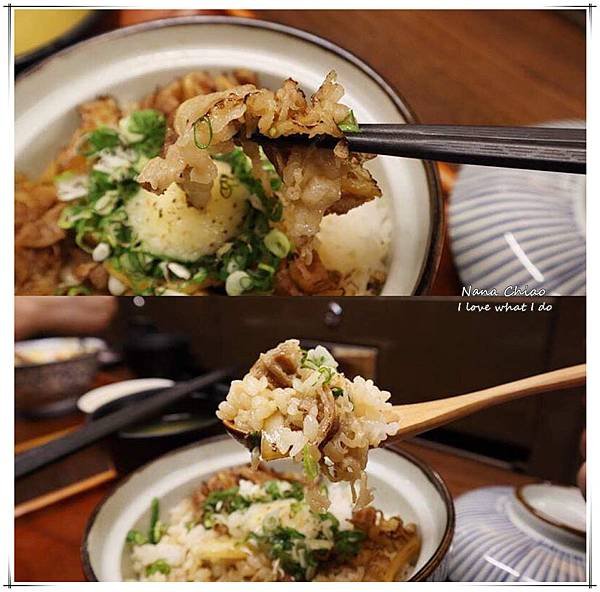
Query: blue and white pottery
column 534, row 533
column 511, row 227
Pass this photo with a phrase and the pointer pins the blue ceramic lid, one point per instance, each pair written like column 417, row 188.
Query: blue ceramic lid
column 511, row 227
column 534, row 533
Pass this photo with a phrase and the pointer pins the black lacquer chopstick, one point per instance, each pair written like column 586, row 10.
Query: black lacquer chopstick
column 539, row 148
column 41, row 456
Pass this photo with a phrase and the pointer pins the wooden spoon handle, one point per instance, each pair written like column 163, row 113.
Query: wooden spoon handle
column 420, row 417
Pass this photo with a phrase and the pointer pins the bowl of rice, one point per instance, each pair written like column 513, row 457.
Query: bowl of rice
column 390, row 245
column 202, row 513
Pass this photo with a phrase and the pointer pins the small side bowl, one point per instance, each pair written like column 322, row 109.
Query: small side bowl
column 403, row 485
column 185, row 422
column 78, row 31
column 60, row 370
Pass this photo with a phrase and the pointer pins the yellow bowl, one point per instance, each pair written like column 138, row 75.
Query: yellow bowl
column 40, row 32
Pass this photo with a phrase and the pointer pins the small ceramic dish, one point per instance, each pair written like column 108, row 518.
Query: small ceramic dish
column 187, row 421
column 403, row 485
column 514, row 228
column 51, row 373
column 131, row 62
column 533, row 533
column 80, row 24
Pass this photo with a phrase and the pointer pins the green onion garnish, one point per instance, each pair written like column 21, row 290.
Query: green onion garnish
column 349, row 124
column 204, row 119
column 200, row 276
column 102, row 138
column 237, row 283
column 311, row 468
column 277, row 243
column 79, row 290
column 135, row 537
column 154, row 512
column 226, row 185
column 159, row 566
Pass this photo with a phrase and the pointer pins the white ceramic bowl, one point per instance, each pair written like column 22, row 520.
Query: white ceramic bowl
column 131, row 62
column 403, row 485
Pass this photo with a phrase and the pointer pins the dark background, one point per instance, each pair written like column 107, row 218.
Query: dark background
column 425, row 349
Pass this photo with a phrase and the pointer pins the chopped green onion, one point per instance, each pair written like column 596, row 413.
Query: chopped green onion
column 277, row 243
column 200, row 276
column 79, row 290
column 311, row 468
column 233, row 265
column 141, row 162
column 106, row 204
column 237, row 283
column 226, row 185
column 135, row 537
column 348, row 543
column 317, row 357
column 130, row 137
column 64, row 176
column 101, row 252
column 69, row 216
column 224, row 249
column 101, row 139
column 329, row 517
column 158, row 531
column 204, row 119
column 268, row 268
column 151, row 125
column 349, row 124
column 327, row 374
column 337, row 392
column 241, row 168
column 70, row 186
column 159, row 566
column 154, row 512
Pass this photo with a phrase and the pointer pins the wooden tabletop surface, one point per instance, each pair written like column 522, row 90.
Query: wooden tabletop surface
column 456, row 67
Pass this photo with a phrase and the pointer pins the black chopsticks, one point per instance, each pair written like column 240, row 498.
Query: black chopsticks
column 539, row 148
column 36, row 458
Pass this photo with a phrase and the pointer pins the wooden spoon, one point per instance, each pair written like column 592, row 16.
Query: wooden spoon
column 421, row 417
